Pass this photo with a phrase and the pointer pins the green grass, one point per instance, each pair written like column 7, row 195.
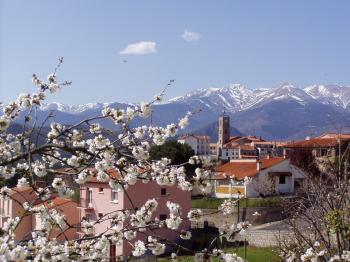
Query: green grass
column 254, row 254
column 257, row 254
column 214, row 203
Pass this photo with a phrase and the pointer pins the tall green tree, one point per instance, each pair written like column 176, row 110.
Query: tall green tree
column 177, row 152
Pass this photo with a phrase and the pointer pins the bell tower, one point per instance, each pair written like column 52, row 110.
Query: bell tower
column 224, row 129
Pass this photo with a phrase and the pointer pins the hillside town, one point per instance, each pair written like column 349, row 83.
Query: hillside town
column 180, row 131
column 245, row 168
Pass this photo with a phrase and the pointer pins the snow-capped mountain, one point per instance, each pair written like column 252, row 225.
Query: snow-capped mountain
column 236, row 98
column 73, row 109
column 281, row 112
column 330, row 94
column 233, row 97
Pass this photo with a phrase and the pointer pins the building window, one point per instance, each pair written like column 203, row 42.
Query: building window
column 89, row 197
column 114, row 195
column 163, row 191
column 100, row 190
column 282, row 179
column 162, row 217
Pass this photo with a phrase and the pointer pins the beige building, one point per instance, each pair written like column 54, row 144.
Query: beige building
column 200, row 144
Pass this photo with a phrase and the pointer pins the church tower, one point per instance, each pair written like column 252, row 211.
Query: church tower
column 224, row 130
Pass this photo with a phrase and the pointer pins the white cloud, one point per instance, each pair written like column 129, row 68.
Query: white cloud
column 140, row 48
column 190, row 36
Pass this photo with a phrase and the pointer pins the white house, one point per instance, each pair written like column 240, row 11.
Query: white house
column 254, row 178
column 199, row 144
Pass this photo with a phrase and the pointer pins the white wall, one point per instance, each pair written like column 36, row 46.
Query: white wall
column 261, row 183
column 200, row 146
column 230, row 153
column 191, row 141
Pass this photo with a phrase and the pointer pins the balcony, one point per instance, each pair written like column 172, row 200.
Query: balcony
column 86, row 204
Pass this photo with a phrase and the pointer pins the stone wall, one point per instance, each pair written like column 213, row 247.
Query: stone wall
column 268, row 214
column 266, row 238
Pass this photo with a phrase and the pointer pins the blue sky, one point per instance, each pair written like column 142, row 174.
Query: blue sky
column 254, row 43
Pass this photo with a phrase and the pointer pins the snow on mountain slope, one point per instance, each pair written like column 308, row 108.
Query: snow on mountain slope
column 233, row 97
column 236, row 98
column 330, row 94
column 73, row 109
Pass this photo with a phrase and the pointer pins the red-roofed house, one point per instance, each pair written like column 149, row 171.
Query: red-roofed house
column 326, row 145
column 11, row 208
column 70, row 210
column 270, row 176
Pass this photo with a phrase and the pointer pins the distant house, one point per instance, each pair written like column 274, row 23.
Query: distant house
column 200, row 144
column 98, row 199
column 270, row 176
column 10, row 208
column 326, row 145
column 213, row 148
column 65, row 206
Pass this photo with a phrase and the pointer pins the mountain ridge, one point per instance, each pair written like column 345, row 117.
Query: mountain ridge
column 281, row 112
column 237, row 97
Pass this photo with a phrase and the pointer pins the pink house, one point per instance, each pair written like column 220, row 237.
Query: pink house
column 98, row 199
column 70, row 210
column 11, row 208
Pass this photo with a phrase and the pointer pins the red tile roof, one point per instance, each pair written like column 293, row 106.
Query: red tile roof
column 243, row 169
column 113, row 173
column 334, row 135
column 234, row 142
column 316, row 143
column 19, row 190
column 56, row 202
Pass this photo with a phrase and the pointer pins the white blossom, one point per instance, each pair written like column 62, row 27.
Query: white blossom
column 139, row 248
column 183, row 123
column 22, row 182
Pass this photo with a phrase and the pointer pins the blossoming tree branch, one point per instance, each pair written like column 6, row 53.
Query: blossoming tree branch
column 84, row 151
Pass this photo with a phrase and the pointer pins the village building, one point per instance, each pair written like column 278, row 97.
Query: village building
column 254, row 178
column 213, row 148
column 325, row 145
column 98, row 200
column 199, row 143
column 11, row 207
